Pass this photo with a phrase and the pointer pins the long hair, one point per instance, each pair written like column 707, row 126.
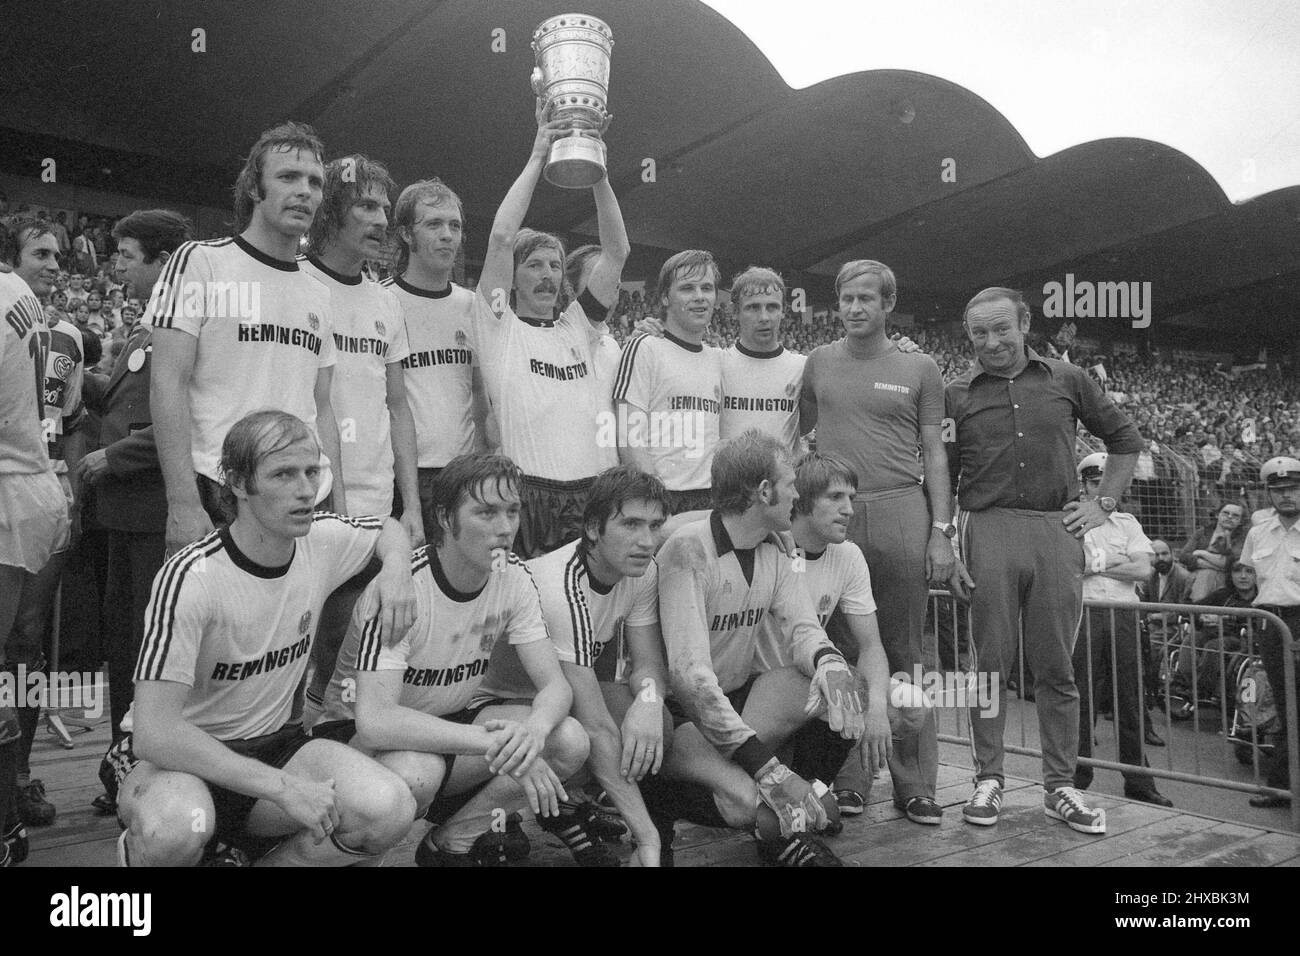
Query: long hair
column 347, row 179
column 248, row 189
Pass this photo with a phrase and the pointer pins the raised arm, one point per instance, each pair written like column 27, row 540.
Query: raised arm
column 498, row 265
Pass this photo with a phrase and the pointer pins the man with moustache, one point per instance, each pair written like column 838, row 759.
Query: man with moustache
column 1014, row 420
column 536, row 350
column 238, row 326
column 368, row 395
column 873, row 406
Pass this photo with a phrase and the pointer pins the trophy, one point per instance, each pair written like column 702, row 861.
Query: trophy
column 572, row 74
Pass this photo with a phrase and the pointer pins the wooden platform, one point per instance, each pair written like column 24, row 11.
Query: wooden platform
column 1138, row 834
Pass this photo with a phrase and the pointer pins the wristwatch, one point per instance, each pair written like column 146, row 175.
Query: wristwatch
column 1108, row 504
column 949, row 530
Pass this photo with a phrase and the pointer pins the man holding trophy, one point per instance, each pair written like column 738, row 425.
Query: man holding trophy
column 535, row 344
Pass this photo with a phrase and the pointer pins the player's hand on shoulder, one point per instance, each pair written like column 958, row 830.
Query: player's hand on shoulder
column 905, row 345
column 649, row 325
column 391, row 598
column 186, row 525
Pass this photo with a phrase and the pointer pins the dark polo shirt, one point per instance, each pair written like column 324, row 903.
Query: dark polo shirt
column 1015, row 437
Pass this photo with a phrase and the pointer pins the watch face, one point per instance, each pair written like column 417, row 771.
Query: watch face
column 1107, row 504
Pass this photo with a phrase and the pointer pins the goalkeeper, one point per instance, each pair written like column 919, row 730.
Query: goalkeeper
column 719, row 579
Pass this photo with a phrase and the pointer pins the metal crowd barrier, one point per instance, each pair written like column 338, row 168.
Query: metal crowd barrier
column 1171, row 654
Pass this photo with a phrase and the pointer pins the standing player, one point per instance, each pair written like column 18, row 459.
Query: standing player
column 129, row 497
column 212, row 754
column 238, row 326
column 761, row 381
column 35, row 261
column 719, row 579
column 669, row 390
column 443, row 385
column 1272, row 548
column 875, row 406
column 836, row 577
column 416, row 706
column 33, row 509
column 537, row 352
column 1015, row 417
column 600, row 596
column 368, row 394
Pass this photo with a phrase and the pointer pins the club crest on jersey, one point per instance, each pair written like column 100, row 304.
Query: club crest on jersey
column 791, row 388
column 824, row 605
column 314, row 321
column 461, row 339
column 63, row 367
column 304, row 622
column 485, row 644
column 726, row 587
column 379, row 329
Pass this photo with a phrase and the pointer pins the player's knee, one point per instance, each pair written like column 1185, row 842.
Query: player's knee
column 168, row 829
column 567, row 747
column 422, row 773
column 377, row 814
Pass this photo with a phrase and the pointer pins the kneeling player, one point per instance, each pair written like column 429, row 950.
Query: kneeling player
column 411, row 704
column 834, row 573
column 601, row 590
column 230, row 626
column 718, row 580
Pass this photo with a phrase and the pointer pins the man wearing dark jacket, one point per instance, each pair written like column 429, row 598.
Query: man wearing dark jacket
column 129, row 498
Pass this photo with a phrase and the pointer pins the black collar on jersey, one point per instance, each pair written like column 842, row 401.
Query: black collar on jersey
column 262, row 257
column 596, row 584
column 689, row 346
column 722, row 542
column 460, row 597
column 245, row 563
column 813, row 555
column 764, row 355
column 336, row 276
column 537, row 323
column 405, row 286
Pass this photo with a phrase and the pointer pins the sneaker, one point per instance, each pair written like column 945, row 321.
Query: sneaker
column 513, row 841
column 984, row 805
column 33, row 808
column 605, row 825
column 104, row 805
column 15, row 844
column 850, row 802
column 484, row 852
column 923, row 810
column 572, row 827
column 799, row 850
column 1066, row 804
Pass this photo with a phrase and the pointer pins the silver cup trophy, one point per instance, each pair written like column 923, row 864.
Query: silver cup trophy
column 572, row 73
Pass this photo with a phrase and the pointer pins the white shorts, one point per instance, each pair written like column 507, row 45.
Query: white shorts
column 33, row 520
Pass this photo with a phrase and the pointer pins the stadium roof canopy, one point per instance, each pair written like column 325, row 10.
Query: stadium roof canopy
column 745, row 165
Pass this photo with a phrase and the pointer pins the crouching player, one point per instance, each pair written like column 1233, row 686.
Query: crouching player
column 412, row 705
column 601, row 600
column 834, row 573
column 230, row 623
column 718, row 580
